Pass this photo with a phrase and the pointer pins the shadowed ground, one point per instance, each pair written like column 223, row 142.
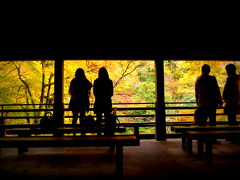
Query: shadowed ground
column 151, row 160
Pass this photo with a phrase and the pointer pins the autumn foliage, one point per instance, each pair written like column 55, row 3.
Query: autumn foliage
column 32, row 82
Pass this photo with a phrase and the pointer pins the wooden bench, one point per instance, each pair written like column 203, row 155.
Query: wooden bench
column 24, row 132
column 207, row 138
column 182, row 129
column 3, row 127
column 90, row 141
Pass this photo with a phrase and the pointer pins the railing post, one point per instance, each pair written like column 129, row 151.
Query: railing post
column 160, row 114
column 2, row 110
column 136, row 131
column 58, row 110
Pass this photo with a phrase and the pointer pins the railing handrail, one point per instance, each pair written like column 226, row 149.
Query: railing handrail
column 91, row 109
column 92, row 104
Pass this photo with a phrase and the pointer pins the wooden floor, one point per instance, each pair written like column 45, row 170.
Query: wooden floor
column 151, row 160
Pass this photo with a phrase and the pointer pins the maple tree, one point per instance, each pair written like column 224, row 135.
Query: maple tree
column 32, row 82
column 180, row 77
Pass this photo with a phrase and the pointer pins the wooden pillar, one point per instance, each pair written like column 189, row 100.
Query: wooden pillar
column 160, row 114
column 58, row 92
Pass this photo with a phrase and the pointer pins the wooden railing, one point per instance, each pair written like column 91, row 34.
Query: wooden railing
column 12, row 108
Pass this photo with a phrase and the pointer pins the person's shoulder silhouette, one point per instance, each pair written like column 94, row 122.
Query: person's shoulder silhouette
column 103, row 86
column 80, row 85
column 207, row 89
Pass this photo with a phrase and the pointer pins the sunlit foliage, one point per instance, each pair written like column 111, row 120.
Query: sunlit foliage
column 180, row 77
column 32, row 82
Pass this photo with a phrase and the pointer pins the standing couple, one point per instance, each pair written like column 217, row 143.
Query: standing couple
column 79, row 90
column 208, row 96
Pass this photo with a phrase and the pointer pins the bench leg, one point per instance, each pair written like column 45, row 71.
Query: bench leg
column 22, row 149
column 112, row 148
column 119, row 160
column 200, row 149
column 208, row 152
column 0, row 158
column 189, row 145
column 184, row 142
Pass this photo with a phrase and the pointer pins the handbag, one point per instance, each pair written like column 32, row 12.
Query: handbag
column 198, row 116
column 48, row 121
column 113, row 122
column 89, row 121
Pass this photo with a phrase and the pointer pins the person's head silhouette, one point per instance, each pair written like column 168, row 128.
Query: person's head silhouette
column 103, row 73
column 80, row 73
column 231, row 69
column 206, row 69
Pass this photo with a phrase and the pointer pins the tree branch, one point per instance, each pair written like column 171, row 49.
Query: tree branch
column 25, row 83
column 125, row 73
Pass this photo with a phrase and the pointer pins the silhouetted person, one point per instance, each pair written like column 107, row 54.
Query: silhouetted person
column 79, row 90
column 208, row 97
column 103, row 92
column 231, row 94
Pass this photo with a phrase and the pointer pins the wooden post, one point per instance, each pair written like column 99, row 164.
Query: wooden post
column 160, row 115
column 136, row 131
column 58, row 92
